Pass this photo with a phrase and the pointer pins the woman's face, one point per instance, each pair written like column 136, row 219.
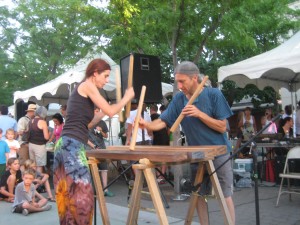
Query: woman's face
column 56, row 122
column 101, row 78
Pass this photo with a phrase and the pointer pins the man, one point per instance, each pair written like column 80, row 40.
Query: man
column 96, row 141
column 160, row 137
column 204, row 123
column 6, row 121
column 143, row 135
column 23, row 126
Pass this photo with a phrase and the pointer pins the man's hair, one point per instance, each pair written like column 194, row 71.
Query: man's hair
column 4, row 110
column 29, row 171
column 11, row 160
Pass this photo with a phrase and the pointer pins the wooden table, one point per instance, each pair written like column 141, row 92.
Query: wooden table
column 149, row 157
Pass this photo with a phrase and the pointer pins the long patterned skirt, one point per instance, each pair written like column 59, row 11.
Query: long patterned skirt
column 72, row 183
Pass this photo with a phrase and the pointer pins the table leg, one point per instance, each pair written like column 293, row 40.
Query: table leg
column 99, row 191
column 194, row 196
column 135, row 198
column 219, row 193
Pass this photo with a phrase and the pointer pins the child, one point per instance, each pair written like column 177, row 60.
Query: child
column 10, row 179
column 4, row 152
column 26, row 194
column 13, row 144
column 40, row 178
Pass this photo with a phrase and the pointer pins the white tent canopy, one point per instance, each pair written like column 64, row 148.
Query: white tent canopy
column 59, row 89
column 278, row 68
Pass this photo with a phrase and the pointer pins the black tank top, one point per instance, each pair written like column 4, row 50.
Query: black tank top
column 80, row 112
column 36, row 134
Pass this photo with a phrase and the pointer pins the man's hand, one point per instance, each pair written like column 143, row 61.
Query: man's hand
column 191, row 110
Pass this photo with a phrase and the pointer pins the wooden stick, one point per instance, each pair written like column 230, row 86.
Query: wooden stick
column 137, row 119
column 130, row 78
column 118, row 91
column 192, row 99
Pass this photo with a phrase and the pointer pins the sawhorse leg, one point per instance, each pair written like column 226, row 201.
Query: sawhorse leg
column 99, row 191
column 146, row 168
column 218, row 191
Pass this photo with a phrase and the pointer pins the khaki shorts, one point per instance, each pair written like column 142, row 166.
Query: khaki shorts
column 23, row 153
column 225, row 176
column 38, row 153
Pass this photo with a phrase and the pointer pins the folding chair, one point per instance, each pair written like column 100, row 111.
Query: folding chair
column 293, row 153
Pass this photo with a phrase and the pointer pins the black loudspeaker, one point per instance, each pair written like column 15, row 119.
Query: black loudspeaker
column 146, row 71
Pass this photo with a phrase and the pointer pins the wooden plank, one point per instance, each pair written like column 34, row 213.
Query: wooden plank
column 155, row 194
column 194, row 196
column 99, row 190
column 165, row 154
column 135, row 198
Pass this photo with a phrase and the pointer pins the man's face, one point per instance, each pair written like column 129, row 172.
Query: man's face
column 28, row 179
column 186, row 84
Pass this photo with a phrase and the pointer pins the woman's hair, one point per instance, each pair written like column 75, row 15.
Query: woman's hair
column 11, row 160
column 59, row 117
column 286, row 119
column 28, row 163
column 96, row 65
column 41, row 112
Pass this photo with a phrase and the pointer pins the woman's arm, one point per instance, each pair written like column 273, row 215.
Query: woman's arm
column 88, row 89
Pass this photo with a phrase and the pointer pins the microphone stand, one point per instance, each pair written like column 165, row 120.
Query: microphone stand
column 252, row 144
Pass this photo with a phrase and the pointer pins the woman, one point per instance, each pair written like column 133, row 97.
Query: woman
column 58, row 121
column 286, row 129
column 266, row 119
column 39, row 135
column 72, row 179
column 246, row 128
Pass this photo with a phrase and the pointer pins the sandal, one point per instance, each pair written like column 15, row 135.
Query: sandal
column 51, row 199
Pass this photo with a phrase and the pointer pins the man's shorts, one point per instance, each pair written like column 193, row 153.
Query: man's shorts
column 225, row 176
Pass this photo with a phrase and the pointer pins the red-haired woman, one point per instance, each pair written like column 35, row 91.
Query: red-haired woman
column 72, row 179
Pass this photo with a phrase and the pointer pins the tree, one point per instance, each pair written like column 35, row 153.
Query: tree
column 45, row 37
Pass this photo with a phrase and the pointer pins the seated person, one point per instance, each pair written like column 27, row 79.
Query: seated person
column 10, row 179
column 40, row 178
column 25, row 197
column 286, row 129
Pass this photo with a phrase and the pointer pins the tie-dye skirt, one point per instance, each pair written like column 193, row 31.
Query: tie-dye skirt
column 72, row 183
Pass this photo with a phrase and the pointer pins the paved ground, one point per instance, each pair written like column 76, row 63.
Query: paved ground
column 287, row 213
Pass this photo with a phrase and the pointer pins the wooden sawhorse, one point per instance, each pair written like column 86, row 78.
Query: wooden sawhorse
column 145, row 167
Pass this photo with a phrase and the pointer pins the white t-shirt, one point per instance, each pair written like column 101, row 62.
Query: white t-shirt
column 13, row 143
column 130, row 120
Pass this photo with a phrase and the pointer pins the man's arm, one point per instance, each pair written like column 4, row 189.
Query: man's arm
column 217, row 125
column 128, row 133
column 154, row 125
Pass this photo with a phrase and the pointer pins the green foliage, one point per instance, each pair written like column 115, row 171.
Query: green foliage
column 41, row 38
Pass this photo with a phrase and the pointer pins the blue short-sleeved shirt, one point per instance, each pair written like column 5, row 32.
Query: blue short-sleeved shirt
column 3, row 149
column 212, row 102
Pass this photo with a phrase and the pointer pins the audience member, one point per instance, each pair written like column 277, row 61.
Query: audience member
column 267, row 119
column 13, row 144
column 25, row 196
column 298, row 120
column 4, row 154
column 22, row 127
column 40, row 180
column 286, row 129
column 58, row 126
column 246, row 128
column 96, row 141
column 6, row 121
column 160, row 137
column 39, row 136
column 10, row 179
